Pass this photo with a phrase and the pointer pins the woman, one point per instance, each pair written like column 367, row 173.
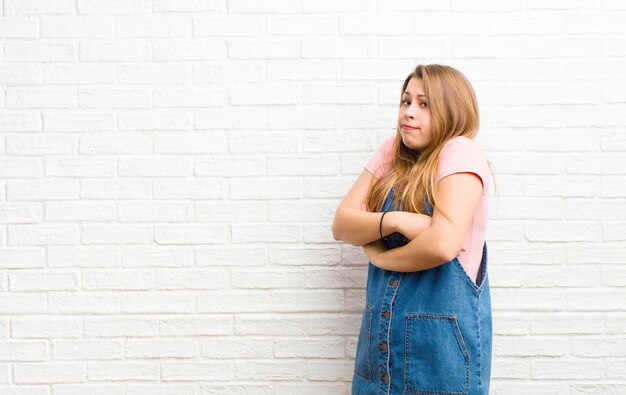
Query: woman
column 426, row 326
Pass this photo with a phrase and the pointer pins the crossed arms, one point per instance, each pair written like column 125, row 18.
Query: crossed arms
column 433, row 241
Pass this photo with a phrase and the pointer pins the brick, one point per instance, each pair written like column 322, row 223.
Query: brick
column 328, row 6
column 116, row 7
column 73, row 303
column 234, row 71
column 79, row 122
column 239, row 301
column 153, row 27
column 112, row 144
column 116, row 233
column 113, row 98
column 567, row 368
column 156, row 302
column 157, row 257
column 76, row 27
column 21, row 258
column 19, row 27
column 39, row 52
column 21, row 73
column 25, row 303
column 196, row 326
column 186, row 50
column 229, row 26
column 44, row 327
column 120, row 327
column 43, row 281
column 187, row 5
column 154, row 73
column 91, row 256
column 226, row 348
column 251, row 6
column 265, row 233
column 267, row 279
column 305, row 256
column 20, row 121
column 154, row 167
column 230, row 167
column 114, row 371
column 74, row 166
column 40, row 144
column 141, row 211
column 247, row 48
column 230, row 256
column 196, row 371
column 127, row 51
column 190, row 143
column 24, row 351
column 192, row 279
column 86, row 349
column 40, row 235
column 309, row 300
column 530, row 347
column 230, row 212
column 190, row 234
column 568, row 324
column 40, row 97
column 190, row 189
column 329, row 370
column 21, row 213
column 269, row 188
column 49, row 372
column 20, row 167
column 115, row 189
column 30, row 7
column 270, row 370
column 111, row 280
column 159, row 349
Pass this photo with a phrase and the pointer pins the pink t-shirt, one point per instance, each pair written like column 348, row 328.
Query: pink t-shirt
column 459, row 155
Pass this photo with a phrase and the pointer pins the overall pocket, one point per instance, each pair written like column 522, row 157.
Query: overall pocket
column 362, row 360
column 436, row 359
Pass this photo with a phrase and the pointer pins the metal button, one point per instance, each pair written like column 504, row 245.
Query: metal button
column 393, row 283
column 386, row 315
column 384, row 378
column 383, row 346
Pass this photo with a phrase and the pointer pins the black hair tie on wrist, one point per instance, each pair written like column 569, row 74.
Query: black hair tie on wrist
column 381, row 224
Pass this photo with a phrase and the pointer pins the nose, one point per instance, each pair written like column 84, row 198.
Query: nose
column 411, row 111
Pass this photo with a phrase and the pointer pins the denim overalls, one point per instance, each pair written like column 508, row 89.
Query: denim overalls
column 426, row 332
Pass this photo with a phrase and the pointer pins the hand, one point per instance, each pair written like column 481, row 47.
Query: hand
column 409, row 224
column 373, row 249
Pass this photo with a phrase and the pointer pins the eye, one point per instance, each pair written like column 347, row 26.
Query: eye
column 406, row 101
column 426, row 104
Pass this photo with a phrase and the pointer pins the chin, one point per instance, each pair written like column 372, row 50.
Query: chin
column 411, row 144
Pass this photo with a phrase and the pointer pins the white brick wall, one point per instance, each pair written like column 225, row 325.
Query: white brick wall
column 169, row 170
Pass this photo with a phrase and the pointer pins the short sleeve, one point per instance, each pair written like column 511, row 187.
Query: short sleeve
column 463, row 155
column 380, row 161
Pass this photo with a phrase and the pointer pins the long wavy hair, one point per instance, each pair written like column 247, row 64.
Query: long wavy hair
column 454, row 112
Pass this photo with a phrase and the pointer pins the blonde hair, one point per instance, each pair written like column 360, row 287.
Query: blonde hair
column 454, row 112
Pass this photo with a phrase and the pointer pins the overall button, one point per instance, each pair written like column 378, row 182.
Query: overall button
column 386, row 314
column 393, row 283
column 385, row 378
column 382, row 346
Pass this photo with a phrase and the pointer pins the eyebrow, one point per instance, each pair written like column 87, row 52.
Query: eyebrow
column 419, row 95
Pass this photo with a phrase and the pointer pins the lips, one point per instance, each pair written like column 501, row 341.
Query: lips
column 407, row 127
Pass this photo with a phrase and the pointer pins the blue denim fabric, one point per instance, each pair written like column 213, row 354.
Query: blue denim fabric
column 426, row 332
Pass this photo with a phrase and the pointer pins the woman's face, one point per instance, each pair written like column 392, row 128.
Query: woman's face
column 414, row 116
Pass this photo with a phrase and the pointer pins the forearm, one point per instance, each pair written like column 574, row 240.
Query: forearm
column 421, row 253
column 359, row 227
